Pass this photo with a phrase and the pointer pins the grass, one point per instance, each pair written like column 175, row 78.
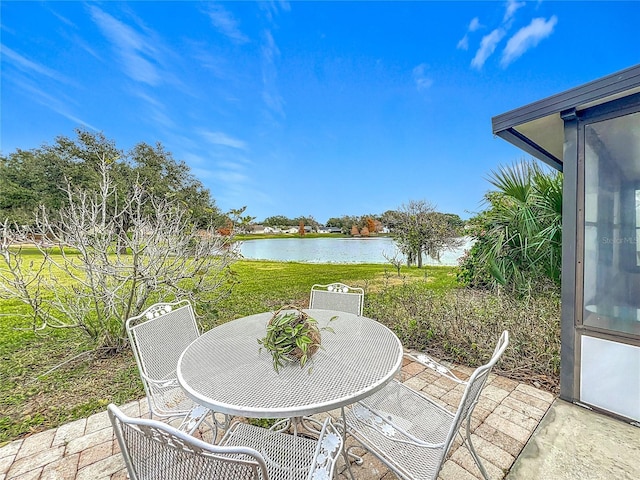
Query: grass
column 32, row 402
column 266, row 285
column 424, row 307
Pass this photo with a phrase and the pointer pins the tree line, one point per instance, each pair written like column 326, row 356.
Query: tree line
column 38, row 181
column 34, row 179
column 518, row 235
column 346, row 223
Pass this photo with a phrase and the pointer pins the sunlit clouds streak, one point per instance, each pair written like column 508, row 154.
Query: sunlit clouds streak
column 225, row 23
column 487, row 47
column 222, row 139
column 31, row 67
column 420, row 77
column 270, row 95
column 30, row 81
column 56, row 104
column 512, row 7
column 135, row 51
column 474, row 25
column 526, row 38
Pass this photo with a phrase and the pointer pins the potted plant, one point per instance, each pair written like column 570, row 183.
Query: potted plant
column 292, row 335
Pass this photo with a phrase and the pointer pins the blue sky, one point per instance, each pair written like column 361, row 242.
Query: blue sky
column 305, row 108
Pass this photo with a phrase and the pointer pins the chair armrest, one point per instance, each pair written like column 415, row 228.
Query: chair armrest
column 430, row 363
column 384, row 426
column 164, row 383
column 330, row 443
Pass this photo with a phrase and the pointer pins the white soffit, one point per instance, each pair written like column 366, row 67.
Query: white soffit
column 548, row 132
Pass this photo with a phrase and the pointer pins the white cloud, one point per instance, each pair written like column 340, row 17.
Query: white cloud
column 233, row 166
column 487, row 47
column 136, row 51
column 80, row 42
column 512, row 7
column 474, row 25
column 270, row 94
column 230, row 177
column 58, row 104
column 226, row 24
column 273, row 100
column 271, row 9
column 29, row 66
column 269, row 48
column 30, row 80
column 159, row 117
column 463, row 44
column 220, row 138
column 62, row 19
column 526, row 38
column 420, row 77
column 231, row 180
column 216, row 63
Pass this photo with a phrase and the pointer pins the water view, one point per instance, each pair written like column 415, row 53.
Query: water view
column 337, row 250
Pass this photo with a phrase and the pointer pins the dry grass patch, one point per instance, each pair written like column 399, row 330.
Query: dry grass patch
column 463, row 326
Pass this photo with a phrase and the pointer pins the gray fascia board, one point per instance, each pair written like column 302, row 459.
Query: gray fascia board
column 584, row 94
column 532, row 148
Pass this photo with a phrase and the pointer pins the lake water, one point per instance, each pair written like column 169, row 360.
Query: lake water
column 336, row 250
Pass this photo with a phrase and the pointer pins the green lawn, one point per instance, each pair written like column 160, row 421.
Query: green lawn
column 31, row 402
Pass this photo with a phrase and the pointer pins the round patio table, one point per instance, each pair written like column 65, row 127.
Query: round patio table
column 225, row 370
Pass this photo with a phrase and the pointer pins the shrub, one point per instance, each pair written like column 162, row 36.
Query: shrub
column 463, row 325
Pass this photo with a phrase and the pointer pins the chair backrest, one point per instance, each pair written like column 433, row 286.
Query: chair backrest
column 337, row 296
column 158, row 337
column 153, row 450
column 473, row 389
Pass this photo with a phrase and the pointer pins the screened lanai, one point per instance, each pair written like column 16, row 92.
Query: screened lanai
column 592, row 134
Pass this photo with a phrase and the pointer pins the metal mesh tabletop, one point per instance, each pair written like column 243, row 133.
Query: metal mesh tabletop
column 224, row 370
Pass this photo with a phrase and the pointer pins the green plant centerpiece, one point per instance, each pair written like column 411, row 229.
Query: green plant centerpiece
column 292, row 335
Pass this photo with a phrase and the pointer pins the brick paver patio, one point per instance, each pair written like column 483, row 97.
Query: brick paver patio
column 503, row 421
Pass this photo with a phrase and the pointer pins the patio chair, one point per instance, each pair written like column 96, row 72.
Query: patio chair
column 411, row 433
column 158, row 337
column 155, row 450
column 337, row 296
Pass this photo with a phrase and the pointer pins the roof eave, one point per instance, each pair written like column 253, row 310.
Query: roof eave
column 587, row 95
column 524, row 143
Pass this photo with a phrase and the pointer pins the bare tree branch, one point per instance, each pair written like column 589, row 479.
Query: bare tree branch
column 104, row 258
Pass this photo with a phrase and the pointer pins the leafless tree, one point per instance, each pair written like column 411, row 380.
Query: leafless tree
column 91, row 277
column 394, row 259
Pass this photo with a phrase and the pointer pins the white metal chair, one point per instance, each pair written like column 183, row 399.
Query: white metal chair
column 337, row 296
column 158, row 337
column 155, row 450
column 412, row 434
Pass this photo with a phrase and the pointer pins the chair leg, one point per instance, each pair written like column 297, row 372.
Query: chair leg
column 357, row 459
column 224, row 425
column 472, row 450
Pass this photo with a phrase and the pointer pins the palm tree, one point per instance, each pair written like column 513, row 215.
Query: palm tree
column 520, row 234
